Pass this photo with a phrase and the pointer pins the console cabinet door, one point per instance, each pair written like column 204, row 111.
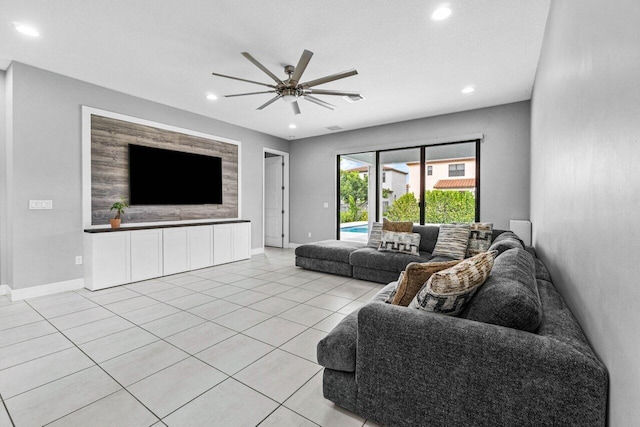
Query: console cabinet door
column 200, row 247
column 109, row 262
column 222, row 243
column 146, row 254
column 241, row 241
column 175, row 254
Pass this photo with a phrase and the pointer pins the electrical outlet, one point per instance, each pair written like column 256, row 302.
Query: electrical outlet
column 78, row 260
column 326, row 205
column 309, row 234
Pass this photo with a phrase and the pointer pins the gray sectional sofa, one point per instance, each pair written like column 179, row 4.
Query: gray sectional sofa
column 401, row 366
column 355, row 259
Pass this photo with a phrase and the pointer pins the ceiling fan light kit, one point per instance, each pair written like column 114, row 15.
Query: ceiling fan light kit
column 290, row 90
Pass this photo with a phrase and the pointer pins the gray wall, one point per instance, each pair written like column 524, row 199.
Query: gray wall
column 3, row 181
column 47, row 165
column 585, row 192
column 504, row 166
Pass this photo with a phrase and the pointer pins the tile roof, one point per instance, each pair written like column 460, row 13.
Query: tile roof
column 444, row 184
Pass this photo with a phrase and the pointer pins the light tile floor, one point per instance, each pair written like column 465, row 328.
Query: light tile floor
column 231, row 345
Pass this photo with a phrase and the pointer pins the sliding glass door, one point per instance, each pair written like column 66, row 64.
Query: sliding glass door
column 429, row 184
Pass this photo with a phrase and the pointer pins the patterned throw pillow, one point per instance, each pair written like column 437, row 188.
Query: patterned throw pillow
column 452, row 241
column 375, row 235
column 414, row 277
column 406, row 243
column 449, row 291
column 397, row 226
column 479, row 238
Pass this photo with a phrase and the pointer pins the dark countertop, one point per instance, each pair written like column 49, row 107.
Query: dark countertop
column 151, row 227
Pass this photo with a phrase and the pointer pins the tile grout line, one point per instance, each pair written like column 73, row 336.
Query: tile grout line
column 4, row 404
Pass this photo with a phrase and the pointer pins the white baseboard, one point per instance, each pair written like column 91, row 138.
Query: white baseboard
column 294, row 245
column 257, row 251
column 48, row 289
column 5, row 290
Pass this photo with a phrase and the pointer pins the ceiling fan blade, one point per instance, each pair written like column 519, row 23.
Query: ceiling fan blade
column 262, row 67
column 330, row 92
column 243, row 80
column 296, row 107
column 320, row 102
column 330, row 78
column 302, row 65
column 269, row 102
column 250, row 93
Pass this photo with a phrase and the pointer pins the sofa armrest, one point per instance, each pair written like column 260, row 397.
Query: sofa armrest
column 418, row 368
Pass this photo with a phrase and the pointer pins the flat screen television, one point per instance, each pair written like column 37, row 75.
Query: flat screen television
column 167, row 177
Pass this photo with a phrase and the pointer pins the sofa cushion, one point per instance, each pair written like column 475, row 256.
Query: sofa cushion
column 338, row 349
column 397, row 226
column 505, row 241
column 406, row 243
column 510, row 296
column 375, row 235
column 452, row 241
column 414, row 277
column 479, row 238
column 428, row 236
column 449, row 291
column 332, row 250
column 389, row 261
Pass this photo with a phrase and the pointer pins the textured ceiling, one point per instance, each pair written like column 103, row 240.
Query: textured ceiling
column 409, row 66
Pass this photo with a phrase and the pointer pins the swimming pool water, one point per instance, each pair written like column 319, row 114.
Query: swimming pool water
column 356, row 229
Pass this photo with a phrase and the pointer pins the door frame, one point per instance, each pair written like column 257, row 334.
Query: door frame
column 285, row 195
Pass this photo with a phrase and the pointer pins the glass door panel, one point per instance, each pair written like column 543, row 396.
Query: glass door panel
column 450, row 183
column 356, row 188
column 399, row 185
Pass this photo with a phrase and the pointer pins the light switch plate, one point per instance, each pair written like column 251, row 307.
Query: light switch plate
column 40, row 204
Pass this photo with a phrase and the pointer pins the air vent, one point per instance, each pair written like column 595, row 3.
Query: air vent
column 353, row 98
column 333, row 128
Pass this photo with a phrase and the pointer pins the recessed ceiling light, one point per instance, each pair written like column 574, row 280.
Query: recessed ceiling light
column 441, row 13
column 25, row 29
column 468, row 89
column 211, row 97
column 292, row 126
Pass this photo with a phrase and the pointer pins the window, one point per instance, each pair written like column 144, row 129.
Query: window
column 456, row 169
column 418, row 191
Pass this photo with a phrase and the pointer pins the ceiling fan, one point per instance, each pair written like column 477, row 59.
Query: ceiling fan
column 290, row 90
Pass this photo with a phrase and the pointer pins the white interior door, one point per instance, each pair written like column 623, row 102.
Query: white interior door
column 273, row 203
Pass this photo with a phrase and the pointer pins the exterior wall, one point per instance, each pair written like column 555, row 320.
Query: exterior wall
column 504, row 168
column 46, row 161
column 585, row 183
column 440, row 171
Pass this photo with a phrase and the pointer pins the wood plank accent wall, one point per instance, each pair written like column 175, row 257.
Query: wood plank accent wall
column 110, row 171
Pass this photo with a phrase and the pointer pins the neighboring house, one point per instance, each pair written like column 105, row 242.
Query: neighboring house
column 444, row 174
column 393, row 180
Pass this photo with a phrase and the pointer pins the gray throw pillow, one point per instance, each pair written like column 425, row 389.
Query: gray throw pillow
column 510, row 296
column 375, row 235
column 452, row 241
column 406, row 243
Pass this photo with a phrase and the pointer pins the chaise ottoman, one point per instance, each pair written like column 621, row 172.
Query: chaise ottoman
column 328, row 256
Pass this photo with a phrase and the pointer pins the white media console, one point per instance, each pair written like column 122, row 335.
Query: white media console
column 117, row 257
